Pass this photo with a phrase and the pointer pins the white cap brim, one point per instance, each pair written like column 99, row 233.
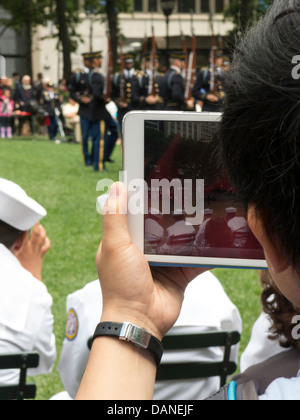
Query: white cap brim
column 17, row 209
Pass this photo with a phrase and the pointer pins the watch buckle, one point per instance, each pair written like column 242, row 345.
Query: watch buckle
column 136, row 335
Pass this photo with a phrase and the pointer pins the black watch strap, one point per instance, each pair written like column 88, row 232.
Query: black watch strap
column 133, row 334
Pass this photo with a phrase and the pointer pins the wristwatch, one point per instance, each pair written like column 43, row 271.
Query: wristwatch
column 132, row 334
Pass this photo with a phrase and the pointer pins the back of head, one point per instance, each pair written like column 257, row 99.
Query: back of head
column 260, row 132
column 18, row 212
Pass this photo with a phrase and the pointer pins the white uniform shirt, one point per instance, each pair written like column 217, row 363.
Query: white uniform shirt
column 180, row 239
column 84, row 309
column 200, row 241
column 206, row 307
column 260, row 347
column 26, row 321
column 283, row 390
column 240, row 230
column 154, row 232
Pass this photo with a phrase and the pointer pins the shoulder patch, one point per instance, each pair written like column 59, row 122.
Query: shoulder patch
column 72, row 325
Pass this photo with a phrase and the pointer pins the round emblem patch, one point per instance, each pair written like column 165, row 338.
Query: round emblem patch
column 72, row 325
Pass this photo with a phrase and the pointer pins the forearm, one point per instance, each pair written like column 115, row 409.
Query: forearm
column 118, row 371
column 131, row 293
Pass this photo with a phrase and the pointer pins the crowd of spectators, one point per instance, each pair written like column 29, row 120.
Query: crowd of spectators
column 27, row 107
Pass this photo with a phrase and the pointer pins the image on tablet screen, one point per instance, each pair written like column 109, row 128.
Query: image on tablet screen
column 192, row 207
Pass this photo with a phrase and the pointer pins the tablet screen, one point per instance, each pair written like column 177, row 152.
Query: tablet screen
column 191, row 207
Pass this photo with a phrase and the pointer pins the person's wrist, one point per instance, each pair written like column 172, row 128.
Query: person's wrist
column 134, row 318
column 132, row 334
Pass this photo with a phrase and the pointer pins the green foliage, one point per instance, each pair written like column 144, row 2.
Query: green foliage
column 245, row 13
column 98, row 7
column 21, row 10
column 28, row 14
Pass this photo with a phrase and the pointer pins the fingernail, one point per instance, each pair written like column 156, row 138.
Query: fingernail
column 115, row 191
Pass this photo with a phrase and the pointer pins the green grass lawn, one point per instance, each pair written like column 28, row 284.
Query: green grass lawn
column 55, row 176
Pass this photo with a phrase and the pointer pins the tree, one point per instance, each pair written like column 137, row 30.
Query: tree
column 64, row 36
column 246, row 12
column 112, row 18
column 65, row 14
column 24, row 17
column 110, row 10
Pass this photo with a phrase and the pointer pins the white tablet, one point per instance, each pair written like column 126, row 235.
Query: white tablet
column 182, row 209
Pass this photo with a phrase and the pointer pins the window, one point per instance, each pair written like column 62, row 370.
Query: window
column 152, row 5
column 138, row 5
column 186, row 6
column 204, row 6
column 220, row 6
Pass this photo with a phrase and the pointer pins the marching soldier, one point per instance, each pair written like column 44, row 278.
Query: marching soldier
column 173, row 84
column 209, row 86
column 98, row 114
column 128, row 91
column 152, row 81
column 79, row 91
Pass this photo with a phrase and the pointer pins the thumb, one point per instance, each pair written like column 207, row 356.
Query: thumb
column 115, row 223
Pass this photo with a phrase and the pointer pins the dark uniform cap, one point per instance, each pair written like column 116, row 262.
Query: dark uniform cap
column 92, row 55
column 219, row 53
column 148, row 56
column 226, row 59
column 129, row 57
column 178, row 55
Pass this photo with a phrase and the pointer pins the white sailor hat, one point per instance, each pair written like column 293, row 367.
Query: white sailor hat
column 178, row 212
column 16, row 208
column 208, row 211
column 231, row 210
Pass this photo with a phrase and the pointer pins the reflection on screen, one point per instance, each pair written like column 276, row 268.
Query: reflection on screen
column 181, row 150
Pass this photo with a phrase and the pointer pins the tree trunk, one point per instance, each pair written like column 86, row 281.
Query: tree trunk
column 28, row 34
column 112, row 18
column 64, row 37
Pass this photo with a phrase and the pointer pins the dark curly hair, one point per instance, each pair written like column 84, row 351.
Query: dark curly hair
column 260, row 131
column 280, row 311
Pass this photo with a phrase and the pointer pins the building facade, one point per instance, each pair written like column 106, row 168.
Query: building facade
column 12, row 48
column 190, row 17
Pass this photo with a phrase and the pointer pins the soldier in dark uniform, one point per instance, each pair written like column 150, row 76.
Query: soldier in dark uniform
column 209, row 86
column 172, row 86
column 128, row 90
column 152, row 81
column 80, row 92
column 98, row 114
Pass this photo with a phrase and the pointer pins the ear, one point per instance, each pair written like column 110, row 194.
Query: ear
column 276, row 260
column 18, row 246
